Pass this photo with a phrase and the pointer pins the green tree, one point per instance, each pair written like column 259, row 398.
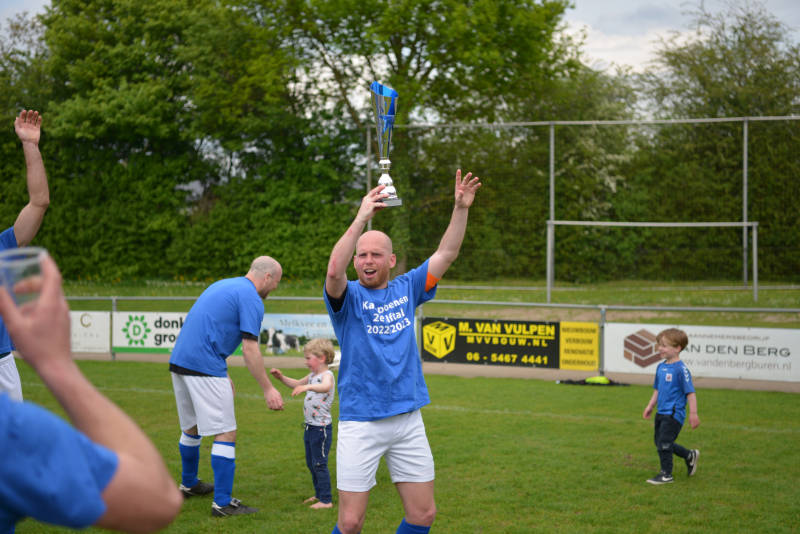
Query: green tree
column 464, row 62
column 740, row 63
column 184, row 145
column 121, row 141
column 180, row 143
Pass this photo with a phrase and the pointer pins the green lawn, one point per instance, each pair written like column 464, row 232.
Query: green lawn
column 512, row 456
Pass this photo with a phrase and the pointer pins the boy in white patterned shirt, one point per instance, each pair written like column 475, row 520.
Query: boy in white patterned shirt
column 319, row 387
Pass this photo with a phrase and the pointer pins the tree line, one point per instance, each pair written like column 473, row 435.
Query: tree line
column 182, row 146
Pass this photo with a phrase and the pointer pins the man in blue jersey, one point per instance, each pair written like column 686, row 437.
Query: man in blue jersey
column 229, row 312
column 673, row 390
column 28, row 126
column 381, row 387
column 104, row 471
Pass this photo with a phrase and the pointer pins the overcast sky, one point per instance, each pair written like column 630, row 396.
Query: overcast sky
column 624, row 32
column 621, row 32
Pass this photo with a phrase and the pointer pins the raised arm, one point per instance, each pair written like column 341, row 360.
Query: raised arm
column 343, row 250
column 287, row 380
column 28, row 127
column 141, row 496
column 451, row 241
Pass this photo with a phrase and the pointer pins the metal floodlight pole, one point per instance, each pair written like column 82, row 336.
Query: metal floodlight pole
column 744, row 200
column 551, row 236
column 369, row 169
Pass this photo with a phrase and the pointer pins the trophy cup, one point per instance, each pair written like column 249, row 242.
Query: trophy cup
column 384, row 99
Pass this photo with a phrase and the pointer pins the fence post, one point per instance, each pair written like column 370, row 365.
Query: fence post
column 755, row 261
column 113, row 310
column 601, row 367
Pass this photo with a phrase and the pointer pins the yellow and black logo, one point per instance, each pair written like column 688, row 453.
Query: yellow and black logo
column 439, row 338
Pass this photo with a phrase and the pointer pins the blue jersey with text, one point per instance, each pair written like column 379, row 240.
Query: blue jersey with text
column 673, row 382
column 49, row 470
column 7, row 240
column 213, row 327
column 380, row 371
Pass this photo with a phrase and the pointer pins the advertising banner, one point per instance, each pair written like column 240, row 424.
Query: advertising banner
column 89, row 331
column 146, row 331
column 284, row 331
column 713, row 351
column 518, row 343
column 158, row 331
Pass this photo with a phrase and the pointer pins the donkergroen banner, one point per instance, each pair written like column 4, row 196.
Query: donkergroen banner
column 713, row 351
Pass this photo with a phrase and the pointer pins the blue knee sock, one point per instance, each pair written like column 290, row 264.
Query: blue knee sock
column 408, row 528
column 189, row 447
column 223, row 462
column 336, row 529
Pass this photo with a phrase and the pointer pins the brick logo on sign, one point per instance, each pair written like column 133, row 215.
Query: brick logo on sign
column 640, row 348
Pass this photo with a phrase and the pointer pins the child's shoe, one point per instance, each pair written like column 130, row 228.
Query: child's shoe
column 661, row 478
column 691, row 461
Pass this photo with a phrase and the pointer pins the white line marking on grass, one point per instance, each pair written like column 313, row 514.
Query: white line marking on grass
column 600, row 418
column 465, row 409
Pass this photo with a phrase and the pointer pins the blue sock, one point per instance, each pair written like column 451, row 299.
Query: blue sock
column 189, row 447
column 336, row 529
column 223, row 462
column 408, row 528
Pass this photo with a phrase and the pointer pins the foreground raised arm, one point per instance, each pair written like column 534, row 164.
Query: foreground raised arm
column 141, row 496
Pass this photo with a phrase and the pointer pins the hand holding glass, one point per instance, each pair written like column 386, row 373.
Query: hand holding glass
column 20, row 272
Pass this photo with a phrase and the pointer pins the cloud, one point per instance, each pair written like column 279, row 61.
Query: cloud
column 603, row 50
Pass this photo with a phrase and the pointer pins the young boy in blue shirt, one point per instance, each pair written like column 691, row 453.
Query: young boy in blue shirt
column 673, row 390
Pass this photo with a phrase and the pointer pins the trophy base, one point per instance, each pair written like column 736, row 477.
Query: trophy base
column 392, row 202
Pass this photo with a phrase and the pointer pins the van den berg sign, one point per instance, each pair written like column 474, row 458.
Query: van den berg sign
column 713, row 351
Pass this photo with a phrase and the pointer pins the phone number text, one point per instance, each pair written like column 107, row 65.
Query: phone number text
column 505, row 357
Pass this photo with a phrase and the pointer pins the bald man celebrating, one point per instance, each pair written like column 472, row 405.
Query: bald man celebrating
column 381, row 387
column 227, row 313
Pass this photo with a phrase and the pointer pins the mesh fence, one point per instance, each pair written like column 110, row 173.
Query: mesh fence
column 704, row 170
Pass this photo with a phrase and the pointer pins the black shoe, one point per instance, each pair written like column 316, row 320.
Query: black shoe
column 199, row 489
column 661, row 478
column 691, row 461
column 234, row 508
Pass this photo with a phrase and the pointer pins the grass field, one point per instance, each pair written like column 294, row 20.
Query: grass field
column 512, row 456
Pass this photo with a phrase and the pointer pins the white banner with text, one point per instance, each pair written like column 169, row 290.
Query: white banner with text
column 712, row 352
column 89, row 331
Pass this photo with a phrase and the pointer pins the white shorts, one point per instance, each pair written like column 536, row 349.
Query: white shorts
column 9, row 378
column 205, row 401
column 401, row 439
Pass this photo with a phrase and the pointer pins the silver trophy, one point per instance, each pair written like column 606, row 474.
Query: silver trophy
column 385, row 99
